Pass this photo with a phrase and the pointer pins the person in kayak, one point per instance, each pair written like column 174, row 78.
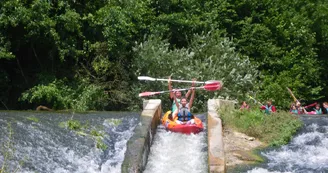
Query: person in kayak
column 299, row 107
column 293, row 109
column 183, row 109
column 325, row 105
column 244, row 106
column 177, row 93
column 269, row 108
column 316, row 111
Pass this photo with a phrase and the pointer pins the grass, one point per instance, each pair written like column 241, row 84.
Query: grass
column 85, row 130
column 32, row 118
column 8, row 151
column 275, row 129
column 115, row 122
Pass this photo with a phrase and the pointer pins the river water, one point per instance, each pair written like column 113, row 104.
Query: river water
column 178, row 153
column 306, row 153
column 40, row 142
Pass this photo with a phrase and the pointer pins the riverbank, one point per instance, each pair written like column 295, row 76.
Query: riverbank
column 239, row 147
column 247, row 132
column 275, row 130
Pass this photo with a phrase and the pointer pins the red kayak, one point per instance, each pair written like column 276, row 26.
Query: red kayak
column 182, row 128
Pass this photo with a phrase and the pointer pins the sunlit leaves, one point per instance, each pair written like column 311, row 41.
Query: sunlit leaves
column 64, row 95
column 209, row 57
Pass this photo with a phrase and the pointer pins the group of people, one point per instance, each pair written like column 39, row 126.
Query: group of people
column 295, row 108
column 180, row 105
column 314, row 109
column 268, row 108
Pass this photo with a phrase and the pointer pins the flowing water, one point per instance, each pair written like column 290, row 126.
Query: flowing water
column 178, row 153
column 306, row 153
column 40, row 142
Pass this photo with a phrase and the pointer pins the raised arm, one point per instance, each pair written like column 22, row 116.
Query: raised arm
column 189, row 91
column 175, row 100
column 304, row 110
column 170, row 88
column 263, row 107
column 192, row 98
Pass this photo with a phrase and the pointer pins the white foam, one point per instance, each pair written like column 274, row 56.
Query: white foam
column 46, row 152
column 262, row 170
column 306, row 152
column 177, row 153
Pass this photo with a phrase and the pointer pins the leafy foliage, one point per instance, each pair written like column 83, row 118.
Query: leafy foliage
column 81, row 98
column 93, row 41
column 275, row 129
column 209, row 57
column 278, row 37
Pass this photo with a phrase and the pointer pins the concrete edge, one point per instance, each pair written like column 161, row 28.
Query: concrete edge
column 216, row 155
column 138, row 146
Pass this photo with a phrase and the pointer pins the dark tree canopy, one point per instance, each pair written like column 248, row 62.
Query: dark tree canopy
column 86, row 55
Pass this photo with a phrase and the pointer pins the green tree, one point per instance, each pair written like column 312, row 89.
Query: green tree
column 209, row 57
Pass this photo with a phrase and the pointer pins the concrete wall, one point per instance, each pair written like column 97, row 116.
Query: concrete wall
column 138, row 146
column 216, row 157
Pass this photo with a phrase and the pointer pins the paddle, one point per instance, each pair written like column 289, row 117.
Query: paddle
column 208, row 87
column 311, row 105
column 255, row 100
column 184, row 81
column 296, row 100
column 291, row 93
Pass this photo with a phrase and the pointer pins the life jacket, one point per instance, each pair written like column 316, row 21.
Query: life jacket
column 268, row 109
column 184, row 114
column 174, row 106
column 318, row 111
column 294, row 111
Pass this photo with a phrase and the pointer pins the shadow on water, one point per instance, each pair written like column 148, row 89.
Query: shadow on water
column 43, row 142
column 307, row 152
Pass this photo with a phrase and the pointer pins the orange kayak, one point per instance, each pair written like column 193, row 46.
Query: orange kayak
column 182, row 128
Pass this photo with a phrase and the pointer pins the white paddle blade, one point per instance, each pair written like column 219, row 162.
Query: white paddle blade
column 146, row 78
column 145, row 94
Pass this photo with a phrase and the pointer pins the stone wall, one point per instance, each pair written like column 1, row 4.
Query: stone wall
column 216, row 157
column 138, row 146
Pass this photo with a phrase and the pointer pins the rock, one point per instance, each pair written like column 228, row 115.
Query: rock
column 238, row 148
column 246, row 156
column 250, row 138
column 40, row 108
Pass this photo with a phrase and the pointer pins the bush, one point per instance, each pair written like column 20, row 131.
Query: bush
column 209, row 57
column 275, row 129
column 79, row 96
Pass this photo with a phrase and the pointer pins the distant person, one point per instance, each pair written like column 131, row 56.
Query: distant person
column 317, row 109
column 299, row 108
column 244, row 106
column 293, row 109
column 268, row 108
column 325, row 106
